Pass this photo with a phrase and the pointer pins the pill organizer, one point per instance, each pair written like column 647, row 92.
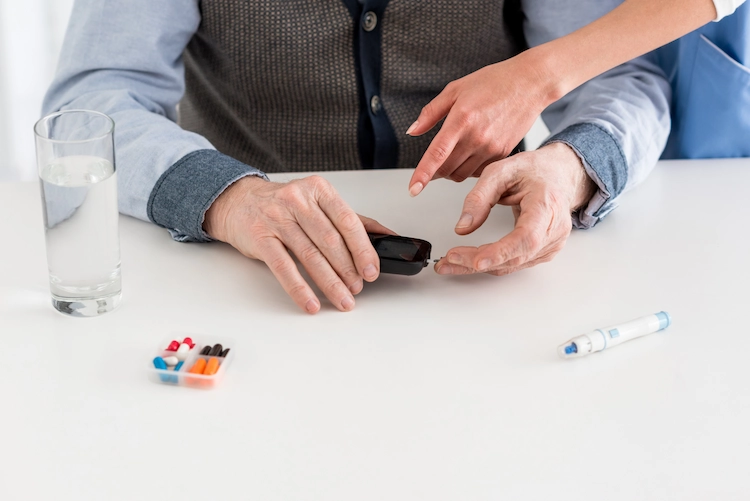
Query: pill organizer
column 182, row 376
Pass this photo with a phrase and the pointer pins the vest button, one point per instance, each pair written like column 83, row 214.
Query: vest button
column 375, row 105
column 369, row 21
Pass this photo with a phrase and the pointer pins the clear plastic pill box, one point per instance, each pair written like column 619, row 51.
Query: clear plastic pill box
column 183, row 376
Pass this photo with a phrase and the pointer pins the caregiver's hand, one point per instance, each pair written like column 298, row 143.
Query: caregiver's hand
column 487, row 113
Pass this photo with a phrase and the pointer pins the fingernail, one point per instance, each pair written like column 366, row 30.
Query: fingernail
column 311, row 306
column 370, row 272
column 416, row 189
column 412, row 127
column 464, row 221
column 444, row 269
column 347, row 303
column 485, row 264
column 455, row 259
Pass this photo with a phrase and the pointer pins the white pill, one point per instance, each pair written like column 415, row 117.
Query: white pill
column 171, row 361
column 182, row 351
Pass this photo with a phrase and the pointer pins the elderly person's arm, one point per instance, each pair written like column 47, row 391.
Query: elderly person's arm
column 125, row 59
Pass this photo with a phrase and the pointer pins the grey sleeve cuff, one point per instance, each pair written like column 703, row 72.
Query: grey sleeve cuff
column 186, row 190
column 605, row 164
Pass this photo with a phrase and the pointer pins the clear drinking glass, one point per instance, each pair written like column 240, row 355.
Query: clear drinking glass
column 76, row 164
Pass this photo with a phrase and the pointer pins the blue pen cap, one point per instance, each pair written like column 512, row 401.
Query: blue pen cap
column 664, row 320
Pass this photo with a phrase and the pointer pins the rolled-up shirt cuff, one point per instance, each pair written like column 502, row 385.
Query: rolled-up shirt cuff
column 605, row 164
column 186, row 190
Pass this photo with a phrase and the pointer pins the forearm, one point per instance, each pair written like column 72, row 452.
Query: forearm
column 630, row 30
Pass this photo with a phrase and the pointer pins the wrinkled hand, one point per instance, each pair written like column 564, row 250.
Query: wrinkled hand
column 544, row 187
column 307, row 218
column 487, row 113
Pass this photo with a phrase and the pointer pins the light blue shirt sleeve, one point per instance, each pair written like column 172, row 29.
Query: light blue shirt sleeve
column 136, row 76
column 617, row 123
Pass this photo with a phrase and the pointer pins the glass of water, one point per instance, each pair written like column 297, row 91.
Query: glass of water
column 76, row 164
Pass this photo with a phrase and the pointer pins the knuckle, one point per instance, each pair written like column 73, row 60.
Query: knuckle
column 515, row 262
column 462, row 119
column 465, row 118
column 484, row 141
column 280, row 264
column 309, row 253
column 365, row 255
column 473, row 199
column 293, row 193
column 533, row 242
column 318, row 184
column 333, row 240
column 349, row 221
column 332, row 285
column 316, row 180
column 298, row 290
column 439, row 153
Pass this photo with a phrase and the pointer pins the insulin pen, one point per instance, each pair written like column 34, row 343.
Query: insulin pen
column 601, row 339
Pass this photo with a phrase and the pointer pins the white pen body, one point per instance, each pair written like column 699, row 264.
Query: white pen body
column 601, row 339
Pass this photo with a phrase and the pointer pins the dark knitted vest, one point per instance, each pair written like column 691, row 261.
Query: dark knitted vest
column 274, row 83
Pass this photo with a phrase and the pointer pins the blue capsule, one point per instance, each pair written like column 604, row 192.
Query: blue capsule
column 160, row 364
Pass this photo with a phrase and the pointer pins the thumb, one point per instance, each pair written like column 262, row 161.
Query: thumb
column 372, row 226
column 482, row 198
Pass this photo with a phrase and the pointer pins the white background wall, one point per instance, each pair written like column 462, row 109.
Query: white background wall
column 31, row 33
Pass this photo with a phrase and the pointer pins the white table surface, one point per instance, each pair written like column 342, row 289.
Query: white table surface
column 433, row 388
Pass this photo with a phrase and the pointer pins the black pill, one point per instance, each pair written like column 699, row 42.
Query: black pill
column 224, row 353
column 205, row 350
column 215, row 350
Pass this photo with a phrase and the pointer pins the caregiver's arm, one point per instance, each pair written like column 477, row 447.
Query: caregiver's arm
column 501, row 102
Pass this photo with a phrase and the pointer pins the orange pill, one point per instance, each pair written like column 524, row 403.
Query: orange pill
column 198, row 366
column 211, row 367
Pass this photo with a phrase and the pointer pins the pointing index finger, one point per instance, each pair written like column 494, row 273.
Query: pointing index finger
column 437, row 153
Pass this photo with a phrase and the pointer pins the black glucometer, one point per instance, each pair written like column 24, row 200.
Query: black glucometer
column 401, row 255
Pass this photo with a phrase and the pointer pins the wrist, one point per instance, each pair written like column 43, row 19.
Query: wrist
column 585, row 187
column 215, row 223
column 581, row 187
column 554, row 78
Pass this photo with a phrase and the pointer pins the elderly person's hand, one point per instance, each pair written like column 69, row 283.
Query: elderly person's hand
column 487, row 113
column 544, row 187
column 305, row 218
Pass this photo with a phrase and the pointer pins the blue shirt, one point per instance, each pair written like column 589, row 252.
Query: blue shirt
column 710, row 74
column 125, row 59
